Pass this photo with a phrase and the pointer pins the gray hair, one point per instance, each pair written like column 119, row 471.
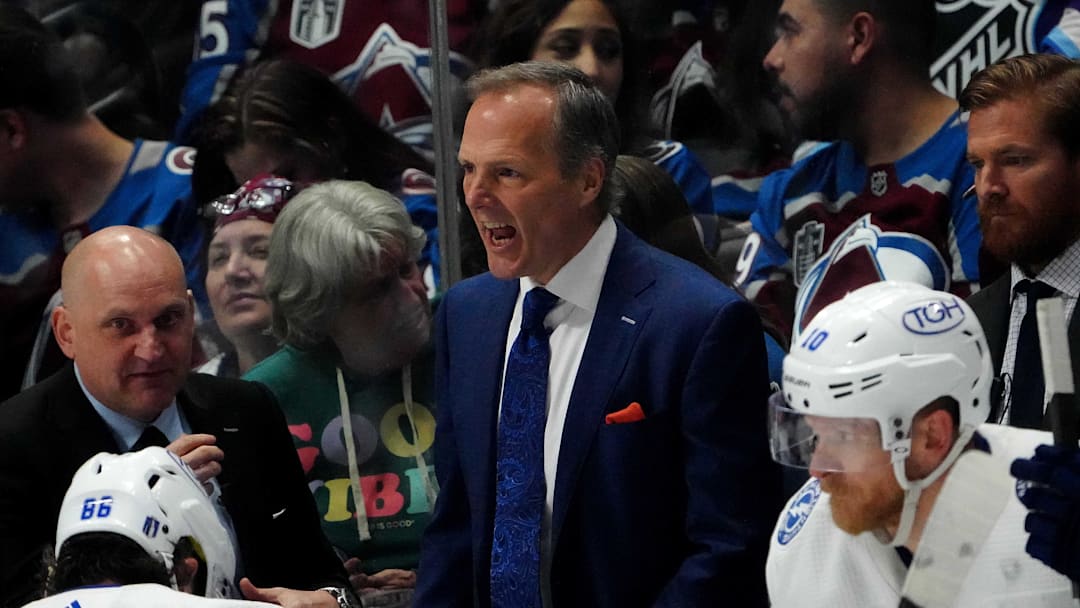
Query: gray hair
column 585, row 126
column 328, row 241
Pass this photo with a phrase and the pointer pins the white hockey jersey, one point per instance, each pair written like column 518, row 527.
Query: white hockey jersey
column 137, row 596
column 813, row 564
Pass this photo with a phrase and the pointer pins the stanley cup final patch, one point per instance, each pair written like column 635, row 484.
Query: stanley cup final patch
column 314, row 23
column 798, row 512
column 807, row 248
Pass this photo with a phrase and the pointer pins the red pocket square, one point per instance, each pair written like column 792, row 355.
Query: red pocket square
column 631, row 413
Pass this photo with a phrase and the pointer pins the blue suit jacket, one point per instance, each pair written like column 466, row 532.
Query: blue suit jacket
column 671, row 510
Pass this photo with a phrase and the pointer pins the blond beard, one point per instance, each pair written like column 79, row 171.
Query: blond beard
column 861, row 508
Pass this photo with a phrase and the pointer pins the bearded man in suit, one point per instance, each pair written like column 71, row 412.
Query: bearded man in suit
column 1024, row 143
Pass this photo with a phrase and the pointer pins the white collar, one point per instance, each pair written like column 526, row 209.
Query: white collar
column 579, row 281
column 1060, row 273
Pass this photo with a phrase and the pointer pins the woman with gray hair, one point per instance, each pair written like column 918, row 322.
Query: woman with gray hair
column 355, row 377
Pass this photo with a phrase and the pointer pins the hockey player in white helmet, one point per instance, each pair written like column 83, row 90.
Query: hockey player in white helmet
column 138, row 529
column 883, row 391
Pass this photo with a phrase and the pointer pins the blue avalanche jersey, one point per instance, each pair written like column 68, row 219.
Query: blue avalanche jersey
column 154, row 193
column 915, row 207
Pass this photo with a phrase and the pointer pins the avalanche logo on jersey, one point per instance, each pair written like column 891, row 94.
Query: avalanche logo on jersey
column 798, row 512
column 661, row 150
column 385, row 50
column 693, row 70
column 416, row 182
column 861, row 255
column 313, row 23
column 181, row 160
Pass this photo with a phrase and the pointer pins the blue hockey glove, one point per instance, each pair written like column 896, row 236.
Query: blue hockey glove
column 1052, row 495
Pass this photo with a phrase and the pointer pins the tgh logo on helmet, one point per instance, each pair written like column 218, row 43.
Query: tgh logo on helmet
column 934, row 317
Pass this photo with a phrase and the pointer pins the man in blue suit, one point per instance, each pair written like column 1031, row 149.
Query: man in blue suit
column 616, row 454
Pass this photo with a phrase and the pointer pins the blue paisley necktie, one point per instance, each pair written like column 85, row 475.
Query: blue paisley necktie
column 520, row 491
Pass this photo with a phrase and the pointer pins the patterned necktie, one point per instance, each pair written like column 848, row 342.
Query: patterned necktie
column 1028, row 386
column 151, row 436
column 520, row 491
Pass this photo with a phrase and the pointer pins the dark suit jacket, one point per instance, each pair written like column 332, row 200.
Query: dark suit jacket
column 49, row 430
column 672, row 510
column 993, row 306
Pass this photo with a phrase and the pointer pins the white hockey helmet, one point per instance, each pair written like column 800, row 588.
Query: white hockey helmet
column 881, row 354
column 154, row 499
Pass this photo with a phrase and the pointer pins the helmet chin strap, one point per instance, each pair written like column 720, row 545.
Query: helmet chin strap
column 913, row 490
column 907, row 519
column 167, row 560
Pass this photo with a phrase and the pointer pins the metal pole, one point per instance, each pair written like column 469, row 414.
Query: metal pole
column 445, row 152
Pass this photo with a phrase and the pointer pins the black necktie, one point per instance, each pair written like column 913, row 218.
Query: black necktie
column 1028, row 386
column 151, row 436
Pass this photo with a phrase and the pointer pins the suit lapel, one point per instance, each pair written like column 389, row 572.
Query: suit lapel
column 477, row 394
column 80, row 427
column 79, row 431
column 199, row 413
column 619, row 317
column 992, row 306
column 206, row 414
column 996, row 323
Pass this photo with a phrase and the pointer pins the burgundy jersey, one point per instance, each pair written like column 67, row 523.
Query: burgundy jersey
column 377, row 51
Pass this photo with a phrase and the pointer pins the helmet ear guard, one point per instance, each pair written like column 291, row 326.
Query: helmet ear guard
column 154, row 499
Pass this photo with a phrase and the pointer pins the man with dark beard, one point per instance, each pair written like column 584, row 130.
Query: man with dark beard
column 1024, row 142
column 886, row 394
column 855, row 73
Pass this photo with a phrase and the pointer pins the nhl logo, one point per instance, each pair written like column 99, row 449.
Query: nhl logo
column 879, row 183
column 313, row 23
column 984, row 31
